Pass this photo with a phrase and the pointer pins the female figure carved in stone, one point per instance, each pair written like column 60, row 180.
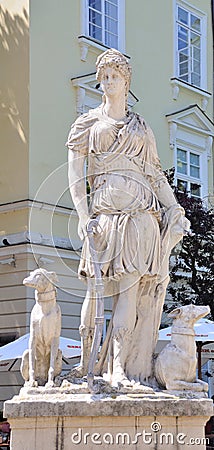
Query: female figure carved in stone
column 139, row 222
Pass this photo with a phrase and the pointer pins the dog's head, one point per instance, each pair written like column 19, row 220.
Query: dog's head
column 41, row 280
column 189, row 313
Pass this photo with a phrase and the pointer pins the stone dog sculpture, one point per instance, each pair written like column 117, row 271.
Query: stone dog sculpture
column 43, row 360
column 175, row 367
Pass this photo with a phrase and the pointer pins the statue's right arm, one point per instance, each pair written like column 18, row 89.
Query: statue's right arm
column 77, row 185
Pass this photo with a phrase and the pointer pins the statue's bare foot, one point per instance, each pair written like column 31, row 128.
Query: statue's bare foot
column 78, row 372
column 120, row 381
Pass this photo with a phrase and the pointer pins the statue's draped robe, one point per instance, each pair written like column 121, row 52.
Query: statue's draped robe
column 139, row 218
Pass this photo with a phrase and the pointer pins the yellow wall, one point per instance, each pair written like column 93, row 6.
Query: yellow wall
column 37, row 169
column 151, row 48
column 54, row 60
column 14, row 97
column 14, row 222
column 54, row 54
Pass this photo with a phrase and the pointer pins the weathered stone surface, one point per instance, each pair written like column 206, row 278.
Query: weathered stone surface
column 134, row 421
column 44, row 404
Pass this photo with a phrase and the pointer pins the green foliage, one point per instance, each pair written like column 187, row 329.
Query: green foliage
column 192, row 275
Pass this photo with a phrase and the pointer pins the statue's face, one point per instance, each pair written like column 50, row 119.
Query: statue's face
column 113, row 83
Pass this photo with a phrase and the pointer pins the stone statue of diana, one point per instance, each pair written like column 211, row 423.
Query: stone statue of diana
column 139, row 221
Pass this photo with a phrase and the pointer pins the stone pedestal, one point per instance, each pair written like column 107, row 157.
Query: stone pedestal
column 72, row 421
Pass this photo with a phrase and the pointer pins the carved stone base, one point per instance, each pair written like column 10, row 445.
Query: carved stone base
column 188, row 394
column 56, row 419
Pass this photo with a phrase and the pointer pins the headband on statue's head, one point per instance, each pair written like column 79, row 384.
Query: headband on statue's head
column 114, row 58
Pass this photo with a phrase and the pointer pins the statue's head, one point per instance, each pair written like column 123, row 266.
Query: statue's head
column 113, row 58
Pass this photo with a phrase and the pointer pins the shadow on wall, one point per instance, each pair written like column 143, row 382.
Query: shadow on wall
column 14, row 92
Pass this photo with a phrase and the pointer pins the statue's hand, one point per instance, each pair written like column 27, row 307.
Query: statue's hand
column 82, row 227
column 186, row 226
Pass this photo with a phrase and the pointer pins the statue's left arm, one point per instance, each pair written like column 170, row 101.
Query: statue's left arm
column 161, row 187
column 155, row 174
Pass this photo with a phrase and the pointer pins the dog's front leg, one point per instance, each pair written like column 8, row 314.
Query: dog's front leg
column 32, row 358
column 203, row 384
column 53, row 356
column 180, row 385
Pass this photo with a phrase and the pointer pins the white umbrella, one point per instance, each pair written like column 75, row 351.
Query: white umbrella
column 204, row 331
column 14, row 350
column 70, row 348
column 204, row 334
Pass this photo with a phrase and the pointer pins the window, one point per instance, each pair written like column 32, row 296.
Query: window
column 190, row 138
column 103, row 23
column 190, row 46
column 188, row 172
column 102, row 26
column 107, row 318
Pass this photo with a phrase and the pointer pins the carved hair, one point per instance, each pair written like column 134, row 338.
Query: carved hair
column 113, row 58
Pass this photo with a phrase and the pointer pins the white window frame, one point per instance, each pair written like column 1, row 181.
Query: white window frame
column 203, row 18
column 121, row 26
column 186, row 144
column 102, row 28
column 187, row 177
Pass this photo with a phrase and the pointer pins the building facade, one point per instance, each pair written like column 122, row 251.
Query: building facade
column 48, row 52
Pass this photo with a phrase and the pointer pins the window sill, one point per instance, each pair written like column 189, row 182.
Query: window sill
column 177, row 84
column 87, row 43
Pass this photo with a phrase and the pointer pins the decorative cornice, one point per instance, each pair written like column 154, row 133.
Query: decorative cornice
column 10, row 240
column 87, row 43
column 179, row 116
column 28, row 204
column 178, row 84
column 36, row 251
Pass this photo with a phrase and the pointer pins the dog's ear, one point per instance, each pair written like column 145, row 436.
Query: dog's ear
column 53, row 277
column 175, row 313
